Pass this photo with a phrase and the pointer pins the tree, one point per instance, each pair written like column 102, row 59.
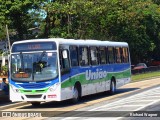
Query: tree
column 134, row 21
column 156, row 2
column 17, row 14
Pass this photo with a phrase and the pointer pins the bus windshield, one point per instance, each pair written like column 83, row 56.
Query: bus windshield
column 34, row 67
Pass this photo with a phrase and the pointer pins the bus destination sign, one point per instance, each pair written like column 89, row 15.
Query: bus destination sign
column 34, row 46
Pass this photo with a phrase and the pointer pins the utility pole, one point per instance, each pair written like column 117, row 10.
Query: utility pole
column 9, row 47
column 9, row 44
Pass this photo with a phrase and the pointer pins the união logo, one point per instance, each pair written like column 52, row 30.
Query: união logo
column 98, row 74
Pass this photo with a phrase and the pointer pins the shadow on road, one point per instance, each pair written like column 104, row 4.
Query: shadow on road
column 4, row 99
column 84, row 99
column 123, row 90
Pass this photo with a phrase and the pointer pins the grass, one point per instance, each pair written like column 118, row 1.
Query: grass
column 143, row 76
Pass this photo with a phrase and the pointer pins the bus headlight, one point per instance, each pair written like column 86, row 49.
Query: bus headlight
column 16, row 90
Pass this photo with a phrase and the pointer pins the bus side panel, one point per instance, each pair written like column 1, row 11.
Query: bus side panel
column 94, row 79
column 121, row 73
column 77, row 74
column 66, row 87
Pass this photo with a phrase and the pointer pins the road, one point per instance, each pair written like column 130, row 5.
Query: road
column 146, row 102
column 143, row 96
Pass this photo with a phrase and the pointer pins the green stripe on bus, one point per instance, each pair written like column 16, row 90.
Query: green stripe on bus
column 33, row 91
column 82, row 78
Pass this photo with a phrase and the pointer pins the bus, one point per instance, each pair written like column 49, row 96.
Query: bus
column 57, row 69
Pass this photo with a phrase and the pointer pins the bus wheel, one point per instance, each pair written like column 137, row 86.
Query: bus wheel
column 35, row 104
column 76, row 95
column 112, row 87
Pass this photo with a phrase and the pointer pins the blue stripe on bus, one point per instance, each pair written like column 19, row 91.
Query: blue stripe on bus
column 74, row 71
column 108, row 68
column 36, row 85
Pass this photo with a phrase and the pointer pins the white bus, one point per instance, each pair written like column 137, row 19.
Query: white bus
column 59, row 69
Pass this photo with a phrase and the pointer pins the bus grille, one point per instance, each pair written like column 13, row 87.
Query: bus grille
column 33, row 96
column 34, row 85
column 29, row 91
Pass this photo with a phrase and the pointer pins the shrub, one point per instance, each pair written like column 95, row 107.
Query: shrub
column 4, row 70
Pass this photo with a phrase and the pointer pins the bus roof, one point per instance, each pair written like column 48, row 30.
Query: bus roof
column 76, row 42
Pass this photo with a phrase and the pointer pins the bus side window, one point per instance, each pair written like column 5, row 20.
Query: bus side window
column 74, row 56
column 110, row 55
column 94, row 55
column 83, row 56
column 102, row 55
column 125, row 55
column 118, row 54
column 64, row 61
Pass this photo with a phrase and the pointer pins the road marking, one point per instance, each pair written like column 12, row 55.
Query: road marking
column 148, row 97
column 140, row 96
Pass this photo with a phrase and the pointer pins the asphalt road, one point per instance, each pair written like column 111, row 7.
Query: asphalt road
column 143, row 95
column 142, row 105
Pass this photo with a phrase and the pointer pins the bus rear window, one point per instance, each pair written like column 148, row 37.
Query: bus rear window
column 34, row 46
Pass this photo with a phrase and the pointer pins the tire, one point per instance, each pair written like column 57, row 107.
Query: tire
column 112, row 87
column 35, row 104
column 76, row 95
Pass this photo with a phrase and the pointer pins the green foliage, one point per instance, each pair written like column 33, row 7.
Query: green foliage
column 1, row 51
column 156, row 2
column 4, row 70
column 16, row 14
column 134, row 21
column 145, row 76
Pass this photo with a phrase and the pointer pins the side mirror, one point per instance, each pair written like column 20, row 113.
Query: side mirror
column 64, row 54
column 65, row 63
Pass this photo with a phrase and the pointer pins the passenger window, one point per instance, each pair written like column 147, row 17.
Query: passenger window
column 64, row 59
column 110, row 55
column 74, row 55
column 83, row 56
column 102, row 53
column 94, row 55
column 118, row 54
column 125, row 55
